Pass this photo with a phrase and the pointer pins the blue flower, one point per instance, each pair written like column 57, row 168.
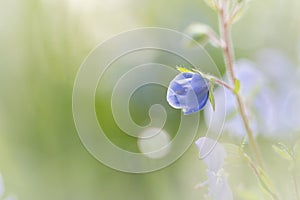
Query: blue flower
column 272, row 105
column 254, row 93
column 212, row 153
column 189, row 92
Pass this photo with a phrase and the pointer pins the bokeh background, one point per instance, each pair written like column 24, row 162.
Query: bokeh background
column 42, row 45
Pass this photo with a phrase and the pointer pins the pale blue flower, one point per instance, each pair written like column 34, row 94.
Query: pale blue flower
column 270, row 91
column 213, row 154
column 254, row 94
column 189, row 92
column 218, row 187
column 284, row 92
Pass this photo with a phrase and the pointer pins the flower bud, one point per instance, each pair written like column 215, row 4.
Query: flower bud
column 188, row 91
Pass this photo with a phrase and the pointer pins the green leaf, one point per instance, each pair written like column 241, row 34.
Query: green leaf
column 199, row 32
column 241, row 11
column 248, row 194
column 282, row 151
column 234, row 154
column 211, row 94
column 183, row 69
column 296, row 150
column 202, row 34
column 211, row 4
column 265, row 182
column 237, row 86
column 263, row 178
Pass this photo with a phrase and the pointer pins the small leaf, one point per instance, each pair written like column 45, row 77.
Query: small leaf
column 296, row 149
column 237, row 86
column 283, row 151
column 263, row 178
column 201, row 34
column 234, row 154
column 211, row 4
column 183, row 69
column 211, row 94
column 265, row 182
column 243, row 7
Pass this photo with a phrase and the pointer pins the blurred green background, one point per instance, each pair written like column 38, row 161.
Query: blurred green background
column 44, row 42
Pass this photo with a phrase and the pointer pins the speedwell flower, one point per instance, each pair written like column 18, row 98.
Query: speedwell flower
column 188, row 91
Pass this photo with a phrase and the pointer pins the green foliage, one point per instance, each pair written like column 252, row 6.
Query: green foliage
column 234, row 154
column 282, row 150
column 239, row 13
column 263, row 178
column 211, row 4
column 199, row 32
column 237, row 86
column 248, row 194
column 265, row 181
column 211, row 94
column 182, row 69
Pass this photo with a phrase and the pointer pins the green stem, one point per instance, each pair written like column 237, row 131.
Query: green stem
column 296, row 186
column 229, row 61
column 224, row 25
column 294, row 175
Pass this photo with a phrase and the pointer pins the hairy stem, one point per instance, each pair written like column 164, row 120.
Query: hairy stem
column 215, row 79
column 229, row 62
column 220, row 82
column 229, row 58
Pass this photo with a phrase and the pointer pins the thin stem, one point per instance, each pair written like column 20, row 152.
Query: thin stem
column 256, row 172
column 249, row 131
column 215, row 79
column 229, row 62
column 220, row 82
column 294, row 175
column 296, row 186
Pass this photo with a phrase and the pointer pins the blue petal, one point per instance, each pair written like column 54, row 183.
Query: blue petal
column 188, row 91
column 199, row 106
column 172, row 99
